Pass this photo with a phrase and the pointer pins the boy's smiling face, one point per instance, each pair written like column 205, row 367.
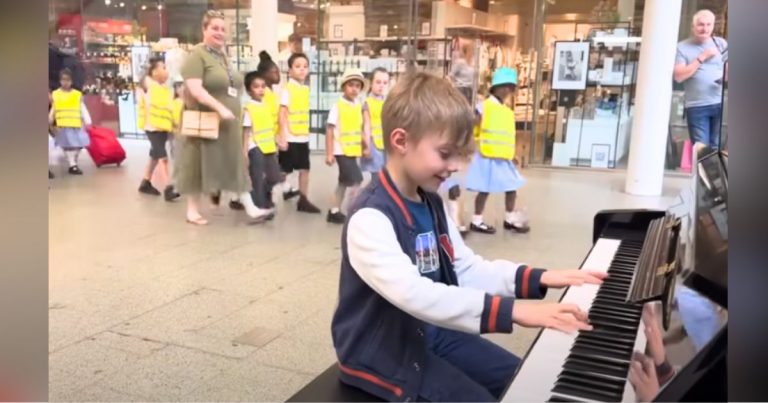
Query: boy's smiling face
column 427, row 162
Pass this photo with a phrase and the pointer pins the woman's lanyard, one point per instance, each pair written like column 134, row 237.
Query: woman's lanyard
column 223, row 60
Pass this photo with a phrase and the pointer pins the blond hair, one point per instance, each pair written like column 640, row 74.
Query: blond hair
column 211, row 15
column 424, row 104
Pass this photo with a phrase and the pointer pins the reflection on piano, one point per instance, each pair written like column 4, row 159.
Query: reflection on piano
column 594, row 365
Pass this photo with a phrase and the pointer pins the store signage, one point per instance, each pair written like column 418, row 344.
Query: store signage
column 111, row 26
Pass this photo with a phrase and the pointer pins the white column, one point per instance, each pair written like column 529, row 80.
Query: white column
column 645, row 173
column 263, row 30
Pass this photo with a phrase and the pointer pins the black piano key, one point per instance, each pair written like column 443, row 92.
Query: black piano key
column 610, row 390
column 595, row 315
column 611, row 333
column 607, row 312
column 613, row 326
column 601, row 381
column 605, row 343
column 625, row 344
column 578, row 364
column 597, row 368
column 596, row 351
column 584, row 392
column 557, row 399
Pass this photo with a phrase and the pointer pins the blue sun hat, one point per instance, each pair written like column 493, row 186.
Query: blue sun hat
column 503, row 76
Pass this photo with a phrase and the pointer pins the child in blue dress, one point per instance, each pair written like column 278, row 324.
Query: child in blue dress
column 373, row 152
column 492, row 169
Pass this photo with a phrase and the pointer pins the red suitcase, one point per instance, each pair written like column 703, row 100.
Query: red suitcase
column 104, row 148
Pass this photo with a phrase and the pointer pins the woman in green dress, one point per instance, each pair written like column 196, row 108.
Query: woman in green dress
column 204, row 165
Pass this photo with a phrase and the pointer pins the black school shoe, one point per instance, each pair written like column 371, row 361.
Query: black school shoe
column 483, row 228
column 291, row 194
column 170, row 194
column 336, row 218
column 147, row 188
column 516, row 228
column 305, row 206
column 236, row 205
column 75, row 170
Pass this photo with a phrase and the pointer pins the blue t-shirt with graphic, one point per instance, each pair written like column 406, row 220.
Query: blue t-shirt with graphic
column 427, row 256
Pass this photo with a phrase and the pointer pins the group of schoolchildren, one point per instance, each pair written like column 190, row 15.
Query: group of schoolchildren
column 276, row 138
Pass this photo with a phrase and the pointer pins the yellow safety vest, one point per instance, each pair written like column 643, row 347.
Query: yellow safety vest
column 273, row 104
column 262, row 127
column 350, row 128
column 497, row 131
column 298, row 109
column 178, row 109
column 140, row 111
column 66, row 106
column 160, row 107
column 374, row 108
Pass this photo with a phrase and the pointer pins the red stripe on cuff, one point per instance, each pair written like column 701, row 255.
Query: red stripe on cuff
column 495, row 302
column 526, row 279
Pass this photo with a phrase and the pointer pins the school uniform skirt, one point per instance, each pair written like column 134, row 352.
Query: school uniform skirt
column 489, row 175
column 72, row 137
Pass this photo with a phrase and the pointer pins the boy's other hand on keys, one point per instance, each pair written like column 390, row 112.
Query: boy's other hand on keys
column 566, row 318
column 565, row 278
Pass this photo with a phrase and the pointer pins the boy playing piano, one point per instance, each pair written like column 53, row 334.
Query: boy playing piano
column 413, row 298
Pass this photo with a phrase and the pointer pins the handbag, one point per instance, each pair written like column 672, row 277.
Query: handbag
column 200, row 124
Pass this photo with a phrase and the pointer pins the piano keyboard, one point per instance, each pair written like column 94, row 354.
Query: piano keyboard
column 594, row 365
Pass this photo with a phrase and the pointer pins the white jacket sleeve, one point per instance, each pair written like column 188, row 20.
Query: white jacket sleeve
column 376, row 256
column 499, row 277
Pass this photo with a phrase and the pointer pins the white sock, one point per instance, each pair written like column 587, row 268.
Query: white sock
column 287, row 185
column 250, row 208
column 477, row 219
column 71, row 159
column 77, row 155
column 511, row 217
column 334, row 210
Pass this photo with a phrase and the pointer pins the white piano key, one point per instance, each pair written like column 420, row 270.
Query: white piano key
column 537, row 376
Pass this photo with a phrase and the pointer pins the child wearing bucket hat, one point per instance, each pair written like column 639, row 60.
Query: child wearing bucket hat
column 344, row 142
column 492, row 169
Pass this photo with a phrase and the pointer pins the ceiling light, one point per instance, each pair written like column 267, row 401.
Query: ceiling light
column 107, row 2
column 159, row 6
column 122, row 4
column 144, row 7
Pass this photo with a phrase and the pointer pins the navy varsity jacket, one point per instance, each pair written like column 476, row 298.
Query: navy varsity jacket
column 384, row 303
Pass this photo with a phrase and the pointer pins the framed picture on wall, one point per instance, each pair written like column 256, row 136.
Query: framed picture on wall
column 338, row 31
column 600, row 155
column 570, row 65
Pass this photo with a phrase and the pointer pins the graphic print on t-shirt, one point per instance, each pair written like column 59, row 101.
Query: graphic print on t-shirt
column 426, row 253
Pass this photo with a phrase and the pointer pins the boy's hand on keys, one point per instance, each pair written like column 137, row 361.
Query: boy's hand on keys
column 566, row 318
column 565, row 278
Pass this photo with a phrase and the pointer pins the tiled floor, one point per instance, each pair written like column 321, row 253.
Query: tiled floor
column 144, row 307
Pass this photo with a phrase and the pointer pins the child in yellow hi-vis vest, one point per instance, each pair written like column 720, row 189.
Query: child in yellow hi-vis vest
column 373, row 148
column 68, row 115
column 344, row 142
column 294, row 132
column 492, row 169
column 158, row 124
column 260, row 144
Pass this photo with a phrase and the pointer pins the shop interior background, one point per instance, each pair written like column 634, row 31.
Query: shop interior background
column 587, row 127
